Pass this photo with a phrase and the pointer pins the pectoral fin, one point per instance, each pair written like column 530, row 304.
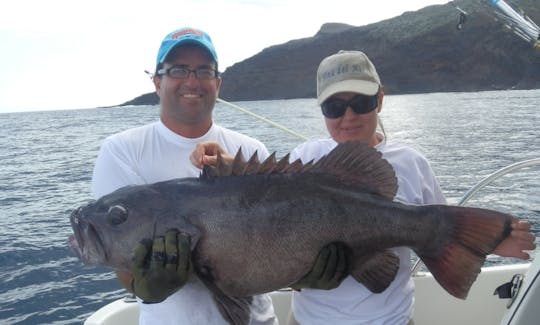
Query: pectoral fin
column 235, row 310
column 375, row 271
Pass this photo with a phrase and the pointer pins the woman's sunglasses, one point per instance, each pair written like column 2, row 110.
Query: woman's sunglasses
column 360, row 104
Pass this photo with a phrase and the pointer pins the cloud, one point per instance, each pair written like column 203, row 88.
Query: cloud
column 61, row 54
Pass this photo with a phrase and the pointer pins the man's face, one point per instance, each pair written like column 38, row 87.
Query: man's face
column 188, row 102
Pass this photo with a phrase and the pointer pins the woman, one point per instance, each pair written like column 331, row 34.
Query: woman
column 351, row 95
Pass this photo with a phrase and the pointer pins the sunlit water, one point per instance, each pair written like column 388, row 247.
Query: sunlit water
column 46, row 161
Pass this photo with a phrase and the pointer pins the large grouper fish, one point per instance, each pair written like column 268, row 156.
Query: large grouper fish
column 258, row 227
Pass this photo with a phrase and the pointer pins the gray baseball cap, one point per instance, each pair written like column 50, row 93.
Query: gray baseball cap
column 346, row 71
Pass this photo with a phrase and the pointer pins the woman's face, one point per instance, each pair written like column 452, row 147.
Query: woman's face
column 352, row 126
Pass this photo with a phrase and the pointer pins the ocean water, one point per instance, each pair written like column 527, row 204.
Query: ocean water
column 46, row 161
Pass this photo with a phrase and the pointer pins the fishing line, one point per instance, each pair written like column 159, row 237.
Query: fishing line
column 262, row 118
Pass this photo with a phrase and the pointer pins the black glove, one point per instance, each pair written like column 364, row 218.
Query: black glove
column 161, row 267
column 329, row 269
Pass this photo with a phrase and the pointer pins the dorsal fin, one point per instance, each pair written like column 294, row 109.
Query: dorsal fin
column 353, row 163
column 268, row 164
column 252, row 165
column 356, row 163
column 281, row 164
column 223, row 167
column 238, row 164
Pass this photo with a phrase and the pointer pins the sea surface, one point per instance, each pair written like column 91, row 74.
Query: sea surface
column 46, row 161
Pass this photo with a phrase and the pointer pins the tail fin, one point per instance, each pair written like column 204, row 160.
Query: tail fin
column 474, row 234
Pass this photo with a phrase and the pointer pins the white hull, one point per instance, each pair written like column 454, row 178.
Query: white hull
column 433, row 305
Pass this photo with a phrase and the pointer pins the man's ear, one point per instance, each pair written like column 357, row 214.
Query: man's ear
column 157, row 83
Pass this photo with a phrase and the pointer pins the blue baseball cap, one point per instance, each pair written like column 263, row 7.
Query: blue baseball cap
column 186, row 35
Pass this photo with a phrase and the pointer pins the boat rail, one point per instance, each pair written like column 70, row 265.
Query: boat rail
column 483, row 183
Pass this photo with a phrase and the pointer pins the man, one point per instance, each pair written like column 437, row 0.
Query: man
column 187, row 81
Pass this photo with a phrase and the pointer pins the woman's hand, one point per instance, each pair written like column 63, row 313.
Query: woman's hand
column 520, row 240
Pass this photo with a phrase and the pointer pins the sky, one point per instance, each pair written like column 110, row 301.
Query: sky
column 71, row 54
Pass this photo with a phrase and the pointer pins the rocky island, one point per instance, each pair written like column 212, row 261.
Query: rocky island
column 417, row 52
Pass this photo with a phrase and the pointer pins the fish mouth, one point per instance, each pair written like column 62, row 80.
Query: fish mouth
column 85, row 241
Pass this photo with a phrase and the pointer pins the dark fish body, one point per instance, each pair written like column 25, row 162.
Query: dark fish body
column 262, row 230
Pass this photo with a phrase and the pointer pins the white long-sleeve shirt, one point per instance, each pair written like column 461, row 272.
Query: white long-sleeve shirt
column 352, row 303
column 153, row 153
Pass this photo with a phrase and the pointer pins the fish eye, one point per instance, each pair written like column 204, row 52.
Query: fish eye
column 117, row 215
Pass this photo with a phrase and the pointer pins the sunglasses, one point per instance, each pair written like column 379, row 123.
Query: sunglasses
column 360, row 104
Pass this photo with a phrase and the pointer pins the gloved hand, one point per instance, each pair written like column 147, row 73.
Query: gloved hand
column 161, row 267
column 330, row 268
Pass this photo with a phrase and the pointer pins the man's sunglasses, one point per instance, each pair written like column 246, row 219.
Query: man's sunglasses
column 360, row 104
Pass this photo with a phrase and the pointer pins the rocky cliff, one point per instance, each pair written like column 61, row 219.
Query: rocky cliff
column 416, row 52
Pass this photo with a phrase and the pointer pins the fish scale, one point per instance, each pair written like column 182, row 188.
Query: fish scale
column 258, row 227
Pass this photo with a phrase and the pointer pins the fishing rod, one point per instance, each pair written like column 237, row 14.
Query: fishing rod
column 262, row 118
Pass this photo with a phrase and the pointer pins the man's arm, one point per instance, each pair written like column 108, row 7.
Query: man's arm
column 113, row 170
column 161, row 266
column 125, row 278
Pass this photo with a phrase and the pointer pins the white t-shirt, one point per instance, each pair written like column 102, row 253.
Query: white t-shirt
column 153, row 153
column 351, row 302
